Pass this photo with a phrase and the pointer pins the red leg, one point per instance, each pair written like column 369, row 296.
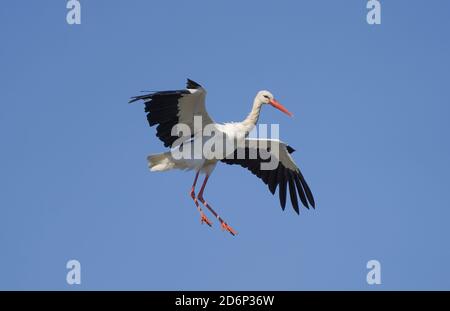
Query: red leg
column 225, row 226
column 203, row 218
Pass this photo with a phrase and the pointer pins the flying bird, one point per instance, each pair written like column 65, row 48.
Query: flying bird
column 170, row 111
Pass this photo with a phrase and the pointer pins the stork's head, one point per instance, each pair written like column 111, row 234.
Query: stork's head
column 265, row 97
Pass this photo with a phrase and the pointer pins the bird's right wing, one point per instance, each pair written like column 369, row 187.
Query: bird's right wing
column 285, row 172
column 170, row 108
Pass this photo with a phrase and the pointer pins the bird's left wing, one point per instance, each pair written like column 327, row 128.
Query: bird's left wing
column 284, row 173
column 169, row 108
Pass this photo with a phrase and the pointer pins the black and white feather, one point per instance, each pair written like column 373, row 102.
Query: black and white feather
column 285, row 176
column 166, row 109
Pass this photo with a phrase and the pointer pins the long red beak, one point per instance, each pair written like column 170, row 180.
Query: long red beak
column 280, row 107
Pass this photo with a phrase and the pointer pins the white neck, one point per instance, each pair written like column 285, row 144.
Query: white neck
column 253, row 116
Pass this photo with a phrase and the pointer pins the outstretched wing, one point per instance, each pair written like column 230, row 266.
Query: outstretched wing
column 169, row 108
column 285, row 174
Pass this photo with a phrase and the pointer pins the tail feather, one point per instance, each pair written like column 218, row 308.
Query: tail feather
column 160, row 162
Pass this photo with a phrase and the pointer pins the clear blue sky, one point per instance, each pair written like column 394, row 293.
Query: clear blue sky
column 371, row 126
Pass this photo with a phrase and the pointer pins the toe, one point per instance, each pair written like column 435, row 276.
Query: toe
column 204, row 219
column 225, row 226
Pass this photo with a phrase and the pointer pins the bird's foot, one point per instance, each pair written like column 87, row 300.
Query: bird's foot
column 226, row 227
column 205, row 219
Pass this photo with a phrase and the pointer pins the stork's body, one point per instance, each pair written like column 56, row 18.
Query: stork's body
column 177, row 114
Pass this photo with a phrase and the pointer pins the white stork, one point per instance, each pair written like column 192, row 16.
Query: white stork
column 167, row 109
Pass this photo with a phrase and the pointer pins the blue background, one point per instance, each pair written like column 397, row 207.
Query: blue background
column 371, row 125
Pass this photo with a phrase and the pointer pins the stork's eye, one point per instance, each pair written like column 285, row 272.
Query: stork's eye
column 266, row 96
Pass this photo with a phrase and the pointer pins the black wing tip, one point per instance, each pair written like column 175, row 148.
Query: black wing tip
column 312, row 201
column 307, row 190
column 190, row 84
column 290, row 149
column 140, row 97
column 293, row 192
